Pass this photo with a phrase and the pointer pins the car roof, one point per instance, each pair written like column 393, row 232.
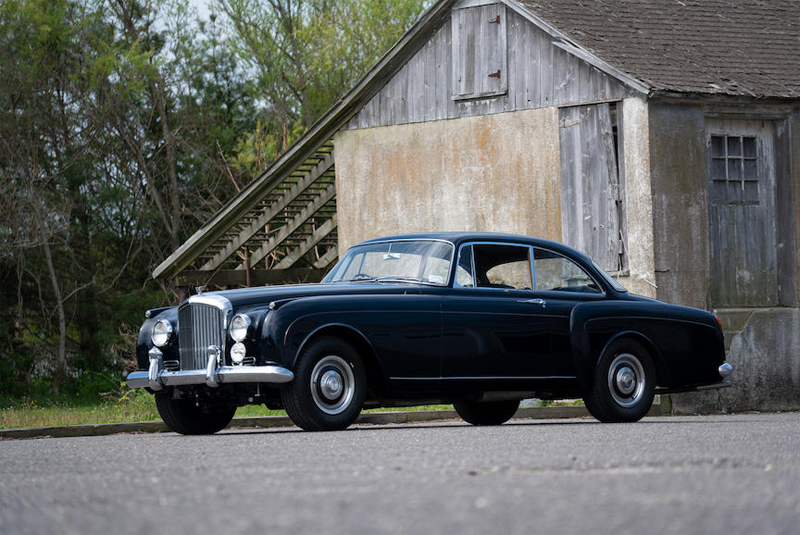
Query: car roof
column 457, row 238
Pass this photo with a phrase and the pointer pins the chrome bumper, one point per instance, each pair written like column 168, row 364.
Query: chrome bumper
column 725, row 371
column 156, row 378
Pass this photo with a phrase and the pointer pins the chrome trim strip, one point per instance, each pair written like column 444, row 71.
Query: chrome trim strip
column 479, row 378
column 436, row 240
column 226, row 374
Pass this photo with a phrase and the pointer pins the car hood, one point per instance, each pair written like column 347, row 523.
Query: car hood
column 262, row 296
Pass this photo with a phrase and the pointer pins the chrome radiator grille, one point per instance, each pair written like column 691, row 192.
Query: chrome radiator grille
column 200, row 326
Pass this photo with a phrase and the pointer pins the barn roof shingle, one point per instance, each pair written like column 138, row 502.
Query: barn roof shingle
column 730, row 47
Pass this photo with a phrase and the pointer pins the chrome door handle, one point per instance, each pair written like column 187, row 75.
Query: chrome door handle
column 534, row 301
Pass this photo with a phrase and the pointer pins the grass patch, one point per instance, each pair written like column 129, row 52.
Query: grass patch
column 131, row 406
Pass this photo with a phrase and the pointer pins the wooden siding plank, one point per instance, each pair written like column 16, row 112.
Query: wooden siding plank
column 429, row 79
column 546, row 72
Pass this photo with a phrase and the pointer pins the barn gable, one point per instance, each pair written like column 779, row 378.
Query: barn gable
column 464, row 71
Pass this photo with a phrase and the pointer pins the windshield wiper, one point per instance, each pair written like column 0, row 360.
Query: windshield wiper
column 398, row 278
column 360, row 278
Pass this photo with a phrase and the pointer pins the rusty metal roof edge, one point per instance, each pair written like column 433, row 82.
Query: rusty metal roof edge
column 317, row 135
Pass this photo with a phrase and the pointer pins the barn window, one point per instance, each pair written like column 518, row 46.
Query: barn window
column 480, row 60
column 734, row 169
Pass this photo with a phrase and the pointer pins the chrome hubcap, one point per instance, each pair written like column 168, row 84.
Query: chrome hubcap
column 332, row 384
column 626, row 380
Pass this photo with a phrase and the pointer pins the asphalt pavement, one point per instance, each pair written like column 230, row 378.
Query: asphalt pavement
column 707, row 474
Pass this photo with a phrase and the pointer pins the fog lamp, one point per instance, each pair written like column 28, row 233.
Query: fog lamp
column 238, row 352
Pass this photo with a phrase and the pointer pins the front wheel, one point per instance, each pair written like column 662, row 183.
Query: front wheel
column 486, row 412
column 329, row 386
column 184, row 416
column 624, row 383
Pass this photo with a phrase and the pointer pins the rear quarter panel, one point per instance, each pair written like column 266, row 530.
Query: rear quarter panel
column 686, row 343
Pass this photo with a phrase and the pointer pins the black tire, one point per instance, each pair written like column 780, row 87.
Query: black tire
column 624, row 383
column 185, row 417
column 328, row 388
column 486, row 412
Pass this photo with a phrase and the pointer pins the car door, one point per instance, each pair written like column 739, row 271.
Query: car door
column 494, row 325
column 561, row 284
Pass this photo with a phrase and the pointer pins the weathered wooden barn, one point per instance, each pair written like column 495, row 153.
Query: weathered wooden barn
column 659, row 136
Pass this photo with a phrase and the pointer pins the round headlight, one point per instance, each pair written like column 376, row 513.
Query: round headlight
column 238, row 352
column 240, row 325
column 162, row 332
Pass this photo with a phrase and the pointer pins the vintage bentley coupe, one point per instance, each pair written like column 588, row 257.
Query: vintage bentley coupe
column 481, row 321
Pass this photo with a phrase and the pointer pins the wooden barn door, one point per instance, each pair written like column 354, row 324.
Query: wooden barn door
column 742, row 213
column 592, row 183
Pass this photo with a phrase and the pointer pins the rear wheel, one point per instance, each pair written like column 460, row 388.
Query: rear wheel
column 624, row 383
column 486, row 412
column 184, row 416
column 328, row 388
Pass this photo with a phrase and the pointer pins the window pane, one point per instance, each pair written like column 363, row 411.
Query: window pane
column 734, row 169
column 750, row 170
column 717, row 190
column 718, row 146
column 502, row 266
column 464, row 269
column 734, row 191
column 749, row 147
column 718, row 169
column 734, row 146
column 751, row 191
column 555, row 272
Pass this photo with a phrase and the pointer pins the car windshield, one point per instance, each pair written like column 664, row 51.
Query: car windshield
column 423, row 261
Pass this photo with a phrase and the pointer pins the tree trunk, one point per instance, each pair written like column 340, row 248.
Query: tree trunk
column 61, row 364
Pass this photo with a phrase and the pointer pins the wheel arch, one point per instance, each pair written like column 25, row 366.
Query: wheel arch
column 359, row 342
column 658, row 360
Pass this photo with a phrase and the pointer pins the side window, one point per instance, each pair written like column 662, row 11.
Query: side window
column 464, row 276
column 502, row 266
column 555, row 272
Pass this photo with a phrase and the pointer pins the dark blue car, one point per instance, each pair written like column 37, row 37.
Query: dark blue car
column 481, row 321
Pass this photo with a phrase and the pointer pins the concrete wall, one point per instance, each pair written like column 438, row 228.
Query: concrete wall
column 638, row 198
column 494, row 173
column 680, row 218
column 766, row 359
